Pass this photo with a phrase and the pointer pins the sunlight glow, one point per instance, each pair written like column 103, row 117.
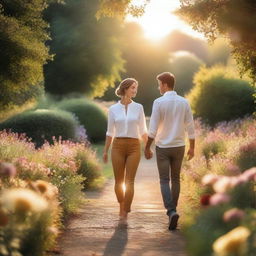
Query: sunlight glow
column 158, row 19
column 124, row 187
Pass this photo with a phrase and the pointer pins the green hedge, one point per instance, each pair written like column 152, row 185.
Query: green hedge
column 43, row 124
column 219, row 96
column 90, row 115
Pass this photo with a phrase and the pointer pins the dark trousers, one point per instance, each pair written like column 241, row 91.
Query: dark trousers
column 169, row 161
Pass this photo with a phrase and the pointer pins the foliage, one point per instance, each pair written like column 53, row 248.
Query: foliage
column 212, row 201
column 90, row 169
column 23, row 52
column 42, row 125
column 29, row 220
column 219, row 96
column 113, row 8
column 89, row 114
column 220, row 17
column 218, row 52
column 246, row 157
column 179, row 41
column 31, row 209
column 184, row 65
column 85, row 62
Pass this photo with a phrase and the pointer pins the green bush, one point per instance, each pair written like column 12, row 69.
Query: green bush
column 220, row 96
column 90, row 169
column 246, row 157
column 42, row 125
column 213, row 148
column 70, row 186
column 90, row 115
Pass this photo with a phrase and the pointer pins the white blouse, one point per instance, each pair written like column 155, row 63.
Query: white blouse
column 131, row 124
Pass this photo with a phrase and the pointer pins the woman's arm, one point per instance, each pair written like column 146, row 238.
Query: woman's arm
column 106, row 148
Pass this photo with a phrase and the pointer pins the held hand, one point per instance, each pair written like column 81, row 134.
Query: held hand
column 148, row 153
column 190, row 153
column 105, row 157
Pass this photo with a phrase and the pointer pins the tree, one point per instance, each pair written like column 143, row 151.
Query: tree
column 184, row 65
column 179, row 41
column 234, row 19
column 87, row 57
column 23, row 52
column 114, row 8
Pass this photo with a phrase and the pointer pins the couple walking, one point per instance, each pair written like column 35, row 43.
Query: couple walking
column 171, row 117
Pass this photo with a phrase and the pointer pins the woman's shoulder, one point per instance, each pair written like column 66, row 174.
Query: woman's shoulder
column 138, row 105
column 114, row 106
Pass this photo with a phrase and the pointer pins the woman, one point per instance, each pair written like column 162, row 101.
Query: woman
column 126, row 123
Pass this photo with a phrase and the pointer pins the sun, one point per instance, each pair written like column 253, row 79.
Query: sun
column 159, row 20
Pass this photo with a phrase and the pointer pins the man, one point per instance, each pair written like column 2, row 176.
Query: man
column 171, row 117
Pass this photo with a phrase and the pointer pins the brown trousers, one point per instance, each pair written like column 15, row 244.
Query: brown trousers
column 125, row 155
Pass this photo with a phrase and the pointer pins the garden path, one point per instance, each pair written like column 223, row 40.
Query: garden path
column 96, row 231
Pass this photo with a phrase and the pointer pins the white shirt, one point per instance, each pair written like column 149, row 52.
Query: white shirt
column 126, row 124
column 171, row 117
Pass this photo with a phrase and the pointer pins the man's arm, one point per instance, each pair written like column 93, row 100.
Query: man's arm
column 191, row 151
column 148, row 152
column 191, row 132
column 153, row 127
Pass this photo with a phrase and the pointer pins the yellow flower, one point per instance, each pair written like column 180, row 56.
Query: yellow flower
column 47, row 189
column 22, row 201
column 232, row 242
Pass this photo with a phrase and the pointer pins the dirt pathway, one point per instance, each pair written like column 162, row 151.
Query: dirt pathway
column 96, row 230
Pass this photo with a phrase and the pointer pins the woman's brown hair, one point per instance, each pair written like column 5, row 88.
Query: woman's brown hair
column 124, row 85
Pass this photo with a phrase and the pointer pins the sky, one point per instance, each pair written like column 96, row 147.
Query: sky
column 158, row 19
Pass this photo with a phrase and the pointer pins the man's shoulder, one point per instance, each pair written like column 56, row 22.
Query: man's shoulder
column 159, row 99
column 181, row 98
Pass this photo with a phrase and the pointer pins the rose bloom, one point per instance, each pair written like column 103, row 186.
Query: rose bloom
column 233, row 214
column 234, row 242
column 205, row 199
column 219, row 198
column 210, row 179
column 223, row 184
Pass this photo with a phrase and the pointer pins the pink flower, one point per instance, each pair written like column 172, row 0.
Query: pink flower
column 7, row 170
column 233, row 214
column 249, row 174
column 219, row 198
column 209, row 179
column 223, row 184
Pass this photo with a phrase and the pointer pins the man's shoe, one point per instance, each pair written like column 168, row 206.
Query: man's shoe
column 174, row 217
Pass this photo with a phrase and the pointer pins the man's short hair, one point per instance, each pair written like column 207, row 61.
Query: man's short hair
column 167, row 78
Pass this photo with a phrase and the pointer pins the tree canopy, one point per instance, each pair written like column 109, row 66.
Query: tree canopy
column 234, row 19
column 23, row 52
column 87, row 56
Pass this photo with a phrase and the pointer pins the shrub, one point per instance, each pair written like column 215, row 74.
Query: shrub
column 246, row 157
column 90, row 115
column 28, row 220
column 220, row 96
column 90, row 169
column 42, row 125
